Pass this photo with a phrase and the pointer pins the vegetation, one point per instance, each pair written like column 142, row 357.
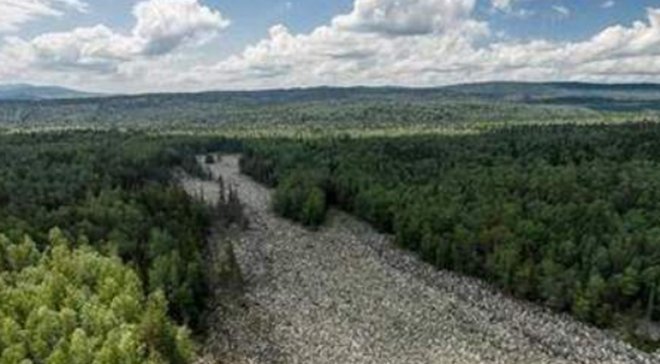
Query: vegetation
column 73, row 305
column 301, row 197
column 322, row 109
column 110, row 195
column 494, row 181
column 564, row 215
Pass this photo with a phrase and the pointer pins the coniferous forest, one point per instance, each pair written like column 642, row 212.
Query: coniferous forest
column 564, row 215
column 329, row 182
column 103, row 253
column 100, row 250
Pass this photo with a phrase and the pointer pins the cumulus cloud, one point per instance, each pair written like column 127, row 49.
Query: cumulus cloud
column 615, row 51
column 368, row 54
column 14, row 13
column 379, row 42
column 410, row 17
column 161, row 27
column 94, row 48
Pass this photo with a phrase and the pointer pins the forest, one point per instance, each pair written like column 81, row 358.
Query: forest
column 101, row 253
column 276, row 112
column 563, row 215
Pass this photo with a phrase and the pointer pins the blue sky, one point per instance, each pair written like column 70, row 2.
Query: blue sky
column 109, row 45
column 585, row 19
column 252, row 18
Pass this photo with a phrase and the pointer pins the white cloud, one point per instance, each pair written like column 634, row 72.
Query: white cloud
column 608, row 4
column 616, row 51
column 409, row 17
column 14, row 13
column 375, row 44
column 418, row 43
column 562, row 10
column 334, row 54
column 95, row 48
column 503, row 5
column 161, row 27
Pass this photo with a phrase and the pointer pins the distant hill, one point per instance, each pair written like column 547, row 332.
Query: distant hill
column 595, row 96
column 591, row 95
column 612, row 97
column 26, row 105
column 25, row 92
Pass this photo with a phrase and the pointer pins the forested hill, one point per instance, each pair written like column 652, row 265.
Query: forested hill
column 356, row 107
column 514, row 90
column 611, row 97
column 27, row 92
column 498, row 90
column 494, row 90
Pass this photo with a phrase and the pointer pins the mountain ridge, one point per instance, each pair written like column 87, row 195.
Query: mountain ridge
column 597, row 96
column 30, row 92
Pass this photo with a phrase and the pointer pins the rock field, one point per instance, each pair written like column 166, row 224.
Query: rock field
column 345, row 294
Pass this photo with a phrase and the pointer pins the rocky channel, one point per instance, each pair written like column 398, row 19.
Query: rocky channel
column 346, row 294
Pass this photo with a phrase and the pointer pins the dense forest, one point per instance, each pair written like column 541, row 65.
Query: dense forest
column 100, row 250
column 352, row 107
column 564, row 215
column 197, row 114
column 74, row 305
column 342, row 109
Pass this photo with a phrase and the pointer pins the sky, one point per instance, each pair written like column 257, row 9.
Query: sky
column 135, row 46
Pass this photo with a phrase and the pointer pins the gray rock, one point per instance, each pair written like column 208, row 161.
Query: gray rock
column 344, row 294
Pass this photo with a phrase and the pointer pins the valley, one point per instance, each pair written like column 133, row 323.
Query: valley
column 345, row 293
